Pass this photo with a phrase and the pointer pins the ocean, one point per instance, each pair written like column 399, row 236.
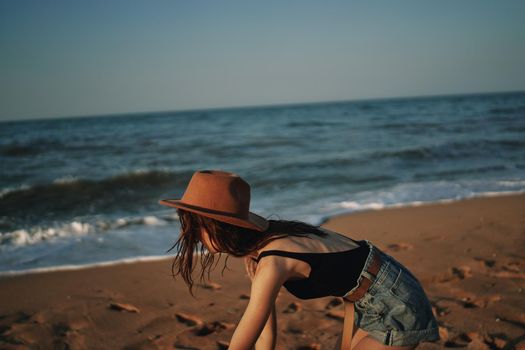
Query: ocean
column 85, row 190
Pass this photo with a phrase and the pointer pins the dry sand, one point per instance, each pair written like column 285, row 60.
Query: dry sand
column 469, row 256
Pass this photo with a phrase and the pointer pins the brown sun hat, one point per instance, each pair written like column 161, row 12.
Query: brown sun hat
column 220, row 195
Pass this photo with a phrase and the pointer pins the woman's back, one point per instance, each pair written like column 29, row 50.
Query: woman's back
column 333, row 242
column 314, row 264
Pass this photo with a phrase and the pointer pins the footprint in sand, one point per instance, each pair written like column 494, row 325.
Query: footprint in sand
column 509, row 270
column 486, row 262
column 225, row 325
column 293, row 307
column 442, row 306
column 470, row 340
column 123, row 307
column 223, row 345
column 189, row 340
column 206, row 329
column 453, row 274
column 294, row 328
column 211, row 285
column 336, row 314
column 197, row 337
column 481, row 302
column 333, row 303
column 399, row 246
column 188, row 319
column 498, row 341
column 513, row 266
column 201, row 327
column 215, row 326
column 462, row 272
column 440, row 310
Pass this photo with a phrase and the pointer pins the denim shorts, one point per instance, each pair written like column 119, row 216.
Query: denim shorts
column 395, row 310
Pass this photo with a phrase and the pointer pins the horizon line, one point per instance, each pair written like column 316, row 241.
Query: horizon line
column 275, row 105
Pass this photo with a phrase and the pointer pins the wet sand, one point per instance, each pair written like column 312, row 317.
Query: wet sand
column 469, row 256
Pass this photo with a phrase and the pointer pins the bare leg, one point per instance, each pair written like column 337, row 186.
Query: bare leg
column 362, row 341
column 358, row 335
column 369, row 343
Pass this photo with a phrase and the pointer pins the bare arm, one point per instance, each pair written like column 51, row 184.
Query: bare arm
column 269, row 276
column 268, row 338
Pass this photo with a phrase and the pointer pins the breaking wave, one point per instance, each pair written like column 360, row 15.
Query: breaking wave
column 37, row 234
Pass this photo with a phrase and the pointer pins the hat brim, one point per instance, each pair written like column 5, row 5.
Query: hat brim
column 254, row 221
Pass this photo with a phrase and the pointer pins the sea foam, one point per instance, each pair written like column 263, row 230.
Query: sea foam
column 38, row 234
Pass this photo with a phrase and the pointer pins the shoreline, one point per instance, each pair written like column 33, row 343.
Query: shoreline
column 467, row 254
column 489, row 194
column 324, row 220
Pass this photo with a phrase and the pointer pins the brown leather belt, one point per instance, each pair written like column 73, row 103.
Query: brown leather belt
column 366, row 282
column 345, row 342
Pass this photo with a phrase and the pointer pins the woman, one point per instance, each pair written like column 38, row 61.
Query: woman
column 391, row 308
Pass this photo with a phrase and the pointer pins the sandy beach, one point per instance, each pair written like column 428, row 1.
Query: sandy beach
column 469, row 256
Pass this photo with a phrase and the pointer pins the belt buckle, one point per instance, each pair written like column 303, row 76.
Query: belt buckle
column 369, row 276
column 372, row 275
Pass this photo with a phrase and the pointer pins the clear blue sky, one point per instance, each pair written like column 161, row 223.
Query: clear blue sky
column 69, row 58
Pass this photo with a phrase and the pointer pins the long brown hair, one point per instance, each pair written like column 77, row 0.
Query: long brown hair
column 226, row 238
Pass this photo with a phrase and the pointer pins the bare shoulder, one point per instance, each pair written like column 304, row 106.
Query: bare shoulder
column 274, row 268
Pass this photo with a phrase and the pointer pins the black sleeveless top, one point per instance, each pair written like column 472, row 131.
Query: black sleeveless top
column 332, row 273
